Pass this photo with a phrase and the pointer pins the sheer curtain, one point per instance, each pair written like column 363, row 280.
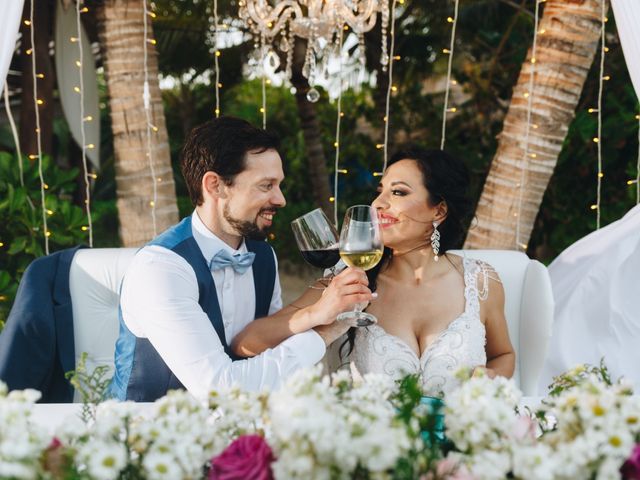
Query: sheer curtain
column 596, row 281
column 9, row 25
column 596, row 285
column 627, row 13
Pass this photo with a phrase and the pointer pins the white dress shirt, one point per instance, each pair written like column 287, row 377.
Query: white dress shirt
column 159, row 301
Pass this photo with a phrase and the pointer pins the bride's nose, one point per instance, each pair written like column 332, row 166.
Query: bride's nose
column 380, row 202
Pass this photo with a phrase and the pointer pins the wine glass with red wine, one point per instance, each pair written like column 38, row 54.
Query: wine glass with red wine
column 317, row 239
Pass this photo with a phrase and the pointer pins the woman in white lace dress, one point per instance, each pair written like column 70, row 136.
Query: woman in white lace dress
column 437, row 312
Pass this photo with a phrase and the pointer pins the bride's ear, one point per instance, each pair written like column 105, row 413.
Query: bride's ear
column 442, row 210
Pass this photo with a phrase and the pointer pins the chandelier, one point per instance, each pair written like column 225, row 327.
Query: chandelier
column 321, row 23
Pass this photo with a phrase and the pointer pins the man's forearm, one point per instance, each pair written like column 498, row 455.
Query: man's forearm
column 268, row 332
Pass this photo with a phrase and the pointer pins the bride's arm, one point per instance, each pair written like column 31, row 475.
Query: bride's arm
column 501, row 357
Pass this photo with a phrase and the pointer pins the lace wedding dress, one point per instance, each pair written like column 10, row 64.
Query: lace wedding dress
column 462, row 343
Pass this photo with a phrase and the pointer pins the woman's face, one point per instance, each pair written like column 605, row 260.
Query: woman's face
column 406, row 218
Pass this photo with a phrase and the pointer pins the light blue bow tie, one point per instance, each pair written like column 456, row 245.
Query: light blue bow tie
column 240, row 262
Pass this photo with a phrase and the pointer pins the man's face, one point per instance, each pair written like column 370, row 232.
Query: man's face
column 254, row 196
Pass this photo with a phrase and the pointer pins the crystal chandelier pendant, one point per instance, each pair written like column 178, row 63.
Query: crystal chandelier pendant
column 313, row 95
column 319, row 22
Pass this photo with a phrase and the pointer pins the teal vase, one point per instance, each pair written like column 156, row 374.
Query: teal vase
column 435, row 431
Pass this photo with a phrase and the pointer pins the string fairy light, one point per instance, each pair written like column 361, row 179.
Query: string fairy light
column 337, row 143
column 146, row 97
column 263, row 109
column 454, row 21
column 84, row 119
column 598, row 139
column 525, row 157
column 36, row 103
column 216, row 56
column 392, row 34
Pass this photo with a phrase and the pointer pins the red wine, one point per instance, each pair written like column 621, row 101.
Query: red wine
column 326, row 258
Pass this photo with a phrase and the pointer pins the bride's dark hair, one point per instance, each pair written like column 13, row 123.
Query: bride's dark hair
column 446, row 179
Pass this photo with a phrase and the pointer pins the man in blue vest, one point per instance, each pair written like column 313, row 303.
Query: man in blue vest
column 193, row 288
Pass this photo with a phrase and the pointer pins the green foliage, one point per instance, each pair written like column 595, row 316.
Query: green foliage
column 578, row 375
column 91, row 386
column 423, row 420
column 21, row 222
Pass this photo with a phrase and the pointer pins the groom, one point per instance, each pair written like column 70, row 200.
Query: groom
column 189, row 291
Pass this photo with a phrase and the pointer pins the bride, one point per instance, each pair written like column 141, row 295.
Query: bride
column 437, row 312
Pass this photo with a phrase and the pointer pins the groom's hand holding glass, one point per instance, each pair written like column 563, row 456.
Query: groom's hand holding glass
column 321, row 304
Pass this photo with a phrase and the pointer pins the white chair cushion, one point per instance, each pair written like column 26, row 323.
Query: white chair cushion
column 94, row 282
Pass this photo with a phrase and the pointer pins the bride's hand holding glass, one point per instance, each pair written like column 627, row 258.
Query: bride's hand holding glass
column 346, row 290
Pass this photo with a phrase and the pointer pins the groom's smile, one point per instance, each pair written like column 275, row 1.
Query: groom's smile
column 254, row 196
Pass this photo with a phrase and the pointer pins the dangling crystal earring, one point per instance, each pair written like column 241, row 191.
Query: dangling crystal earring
column 435, row 241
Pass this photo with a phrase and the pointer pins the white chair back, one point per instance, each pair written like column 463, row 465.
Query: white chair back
column 528, row 309
column 94, row 282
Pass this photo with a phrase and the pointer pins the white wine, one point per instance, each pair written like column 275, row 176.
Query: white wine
column 364, row 260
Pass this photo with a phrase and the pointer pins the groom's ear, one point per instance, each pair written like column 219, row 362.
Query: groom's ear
column 213, row 186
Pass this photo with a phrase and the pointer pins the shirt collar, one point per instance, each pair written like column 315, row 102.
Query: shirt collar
column 209, row 242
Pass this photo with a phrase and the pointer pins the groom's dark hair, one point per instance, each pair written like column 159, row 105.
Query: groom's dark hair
column 221, row 146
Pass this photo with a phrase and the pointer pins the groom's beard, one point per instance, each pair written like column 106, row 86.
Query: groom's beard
column 246, row 228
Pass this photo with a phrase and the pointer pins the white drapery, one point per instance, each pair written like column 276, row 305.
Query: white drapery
column 68, row 73
column 9, row 26
column 596, row 281
column 596, row 285
column 627, row 14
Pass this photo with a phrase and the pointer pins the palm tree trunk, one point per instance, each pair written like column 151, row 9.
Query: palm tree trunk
column 316, row 160
column 121, row 36
column 567, row 38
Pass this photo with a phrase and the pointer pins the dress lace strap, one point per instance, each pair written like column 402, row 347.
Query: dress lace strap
column 481, row 272
column 471, row 294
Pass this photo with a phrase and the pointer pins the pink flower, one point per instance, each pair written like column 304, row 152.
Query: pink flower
column 631, row 468
column 54, row 460
column 247, row 457
column 524, row 428
column 450, row 469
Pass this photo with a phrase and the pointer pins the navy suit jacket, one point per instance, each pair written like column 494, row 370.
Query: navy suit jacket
column 36, row 345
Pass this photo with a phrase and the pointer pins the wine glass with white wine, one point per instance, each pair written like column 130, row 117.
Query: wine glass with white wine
column 361, row 247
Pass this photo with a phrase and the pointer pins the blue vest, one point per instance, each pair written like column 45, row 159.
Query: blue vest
column 141, row 374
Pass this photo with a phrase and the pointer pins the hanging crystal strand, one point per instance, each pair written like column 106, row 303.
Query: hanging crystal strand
column 306, row 67
column 384, row 24
column 291, row 48
column 313, row 65
column 362, row 58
